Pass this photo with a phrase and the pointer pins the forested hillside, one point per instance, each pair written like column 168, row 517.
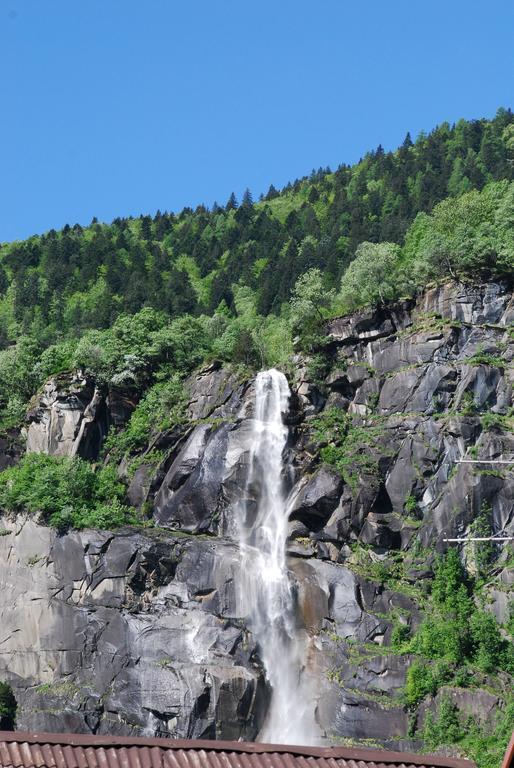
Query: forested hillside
column 128, row 353
column 67, row 297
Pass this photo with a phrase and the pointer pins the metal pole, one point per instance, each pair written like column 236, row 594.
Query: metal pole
column 484, row 538
column 484, row 461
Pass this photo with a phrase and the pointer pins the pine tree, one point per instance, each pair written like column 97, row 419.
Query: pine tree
column 232, row 203
column 146, row 227
column 247, row 198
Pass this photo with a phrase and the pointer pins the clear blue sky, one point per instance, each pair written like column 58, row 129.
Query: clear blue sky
column 121, row 107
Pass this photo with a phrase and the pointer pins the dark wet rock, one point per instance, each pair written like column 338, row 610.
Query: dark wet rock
column 140, row 485
column 189, row 496
column 465, row 303
column 398, row 390
column 382, row 531
column 482, row 706
column 339, row 525
column 212, row 393
column 359, row 327
column 417, row 348
column 366, row 397
column 121, row 403
column 11, row 448
column 317, row 498
column 358, row 717
column 348, row 379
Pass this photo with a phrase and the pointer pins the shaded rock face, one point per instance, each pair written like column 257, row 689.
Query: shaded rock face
column 11, row 448
column 193, row 492
column 317, row 498
column 138, row 632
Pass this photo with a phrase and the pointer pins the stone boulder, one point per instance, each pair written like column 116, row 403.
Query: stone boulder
column 316, row 498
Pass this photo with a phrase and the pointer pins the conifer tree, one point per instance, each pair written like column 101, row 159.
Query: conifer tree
column 247, row 198
column 232, row 203
column 271, row 193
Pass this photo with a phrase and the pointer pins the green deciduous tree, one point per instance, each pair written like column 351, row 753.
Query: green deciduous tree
column 308, row 308
column 372, row 277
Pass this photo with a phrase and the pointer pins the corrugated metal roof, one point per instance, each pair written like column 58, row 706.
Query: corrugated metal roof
column 508, row 760
column 55, row 750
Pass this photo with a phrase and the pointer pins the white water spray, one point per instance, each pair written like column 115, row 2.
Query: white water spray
column 265, row 592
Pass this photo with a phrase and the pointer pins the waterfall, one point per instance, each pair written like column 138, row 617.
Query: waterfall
column 265, row 591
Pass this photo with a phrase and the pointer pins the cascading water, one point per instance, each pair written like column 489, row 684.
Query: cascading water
column 265, row 592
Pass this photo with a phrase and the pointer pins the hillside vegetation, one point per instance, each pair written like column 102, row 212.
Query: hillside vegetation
column 140, row 304
column 146, row 299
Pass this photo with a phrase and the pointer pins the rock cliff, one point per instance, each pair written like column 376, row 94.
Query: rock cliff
column 137, row 631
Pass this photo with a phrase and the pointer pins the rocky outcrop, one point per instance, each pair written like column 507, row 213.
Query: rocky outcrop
column 429, row 381
column 125, row 633
column 68, row 418
column 137, row 632
column 141, row 632
column 316, row 498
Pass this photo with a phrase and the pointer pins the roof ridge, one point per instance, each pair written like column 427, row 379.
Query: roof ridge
column 212, row 745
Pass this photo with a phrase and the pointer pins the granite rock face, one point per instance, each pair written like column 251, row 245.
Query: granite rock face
column 126, row 634
column 69, row 418
column 140, row 632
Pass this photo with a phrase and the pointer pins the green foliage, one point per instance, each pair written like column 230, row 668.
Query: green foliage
column 482, row 358
column 484, row 744
column 443, row 729
column 490, row 420
column 309, row 305
column 489, row 648
column 68, row 492
column 137, row 344
column 346, row 446
column 452, row 607
column 449, row 580
column 162, row 407
column 400, row 636
column 467, row 237
column 8, row 707
column 463, row 237
column 62, row 284
column 249, row 338
column 423, row 679
column 481, row 552
column 18, row 373
column 56, row 358
column 372, row 277
column 467, row 404
column 121, row 300
column 455, row 631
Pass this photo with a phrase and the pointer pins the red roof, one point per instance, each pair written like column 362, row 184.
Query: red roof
column 508, row 760
column 56, row 750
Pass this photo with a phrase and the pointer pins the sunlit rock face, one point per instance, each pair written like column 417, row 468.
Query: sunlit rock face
column 69, row 418
column 146, row 632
